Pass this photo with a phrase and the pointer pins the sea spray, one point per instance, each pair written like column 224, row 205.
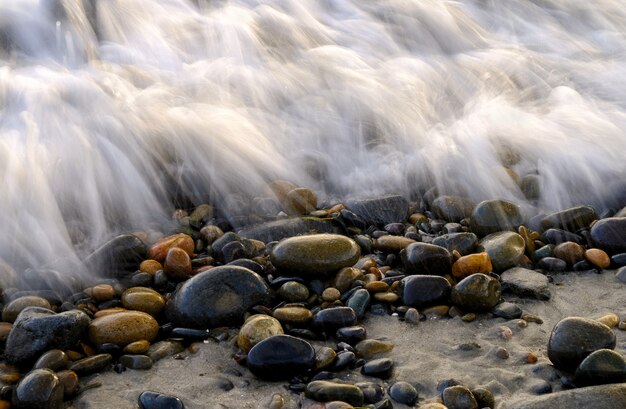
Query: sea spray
column 114, row 112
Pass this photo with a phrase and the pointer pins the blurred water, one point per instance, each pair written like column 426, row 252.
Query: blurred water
column 109, row 109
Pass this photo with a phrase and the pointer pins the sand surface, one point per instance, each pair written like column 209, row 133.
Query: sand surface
column 424, row 354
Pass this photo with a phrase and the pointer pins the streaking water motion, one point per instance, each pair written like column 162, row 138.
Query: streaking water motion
column 112, row 110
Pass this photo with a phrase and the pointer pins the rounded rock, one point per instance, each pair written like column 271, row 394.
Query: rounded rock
column 154, row 400
column 177, row 264
column 293, row 291
column 569, row 252
column 280, row 357
column 325, row 391
column 256, row 329
column 476, row 293
column 159, row 250
column 505, row 249
column 598, row 258
column 610, row 234
column 425, row 291
column 123, row 328
column 459, row 397
column 300, row 201
column 472, row 264
column 404, row 393
column 40, row 388
column 601, row 367
column 424, row 258
column 143, row 299
column 331, row 319
column 491, row 216
column 13, row 309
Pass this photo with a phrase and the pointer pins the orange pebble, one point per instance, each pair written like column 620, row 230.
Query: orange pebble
column 598, row 258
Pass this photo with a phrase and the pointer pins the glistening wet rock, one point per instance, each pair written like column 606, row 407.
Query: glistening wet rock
column 331, row 319
column 424, row 258
column 40, row 389
column 505, row 249
column 464, row 243
column 117, row 257
column 123, row 328
column 280, row 357
column 217, row 297
column 315, row 255
column 37, row 330
column 476, row 293
column 155, row 400
column 325, row 391
column 381, row 210
column 601, row 367
column 491, row 216
column 281, row 229
column 425, row 291
column 610, row 234
column 574, row 338
column 452, row 208
column 572, row 219
column 592, row 397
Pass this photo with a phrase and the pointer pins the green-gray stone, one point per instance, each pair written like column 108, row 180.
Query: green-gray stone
column 505, row 249
column 572, row 219
column 492, row 216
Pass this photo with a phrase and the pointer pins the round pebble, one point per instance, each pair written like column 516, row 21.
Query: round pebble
column 404, row 393
column 280, row 357
column 598, row 258
column 256, row 329
column 123, row 328
column 143, row 299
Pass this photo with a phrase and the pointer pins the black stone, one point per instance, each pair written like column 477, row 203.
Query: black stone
column 281, row 229
column 280, row 357
column 476, row 293
column 464, row 243
column 423, row 258
column 491, row 216
column 343, row 360
column 403, row 392
column 117, row 257
column 154, row 400
column 425, row 291
column 381, row 210
column 380, row 368
column 39, row 389
column 326, row 391
column 558, row 236
column 331, row 319
column 552, row 264
column 601, row 367
column 507, row 310
column 610, row 234
column 351, row 335
column 572, row 219
column 372, row 392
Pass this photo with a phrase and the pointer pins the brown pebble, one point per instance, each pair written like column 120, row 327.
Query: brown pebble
column 324, row 357
column 388, row 297
column 377, row 287
column 69, row 379
column 177, row 264
column 9, row 374
column 257, row 328
column 109, row 311
column 469, row 317
column 502, row 353
column 293, row 315
column 101, row 292
column 529, row 241
column 392, row 244
column 345, row 277
column 150, row 266
column 472, row 264
column 210, row 233
column 194, row 347
column 74, row 355
column 123, row 328
column 610, row 320
column 569, row 252
column 436, row 312
column 531, row 358
column 416, row 218
column 531, row 318
column 598, row 258
column 331, row 294
column 370, row 347
column 276, row 402
column 300, row 201
column 5, row 329
column 137, row 347
column 143, row 299
column 338, row 405
column 159, row 250
column 5, row 404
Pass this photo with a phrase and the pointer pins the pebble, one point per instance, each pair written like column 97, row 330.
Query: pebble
column 459, row 397
column 572, row 219
column 377, row 287
column 123, row 328
column 280, row 357
column 598, row 258
column 610, row 320
column 293, row 315
column 558, row 236
column 143, row 299
column 137, row 347
column 131, row 361
column 40, row 389
column 91, row 364
column 369, row 347
column 257, row 328
column 552, row 264
column 293, row 291
column 452, row 208
column 381, row 210
column 10, row 374
column 610, row 234
column 412, row 316
column 345, row 277
column 13, row 308
column 326, row 391
column 392, row 243
column 380, row 368
column 155, row 400
column 601, row 367
column 37, row 330
column 359, row 302
column 299, row 201
column 476, row 293
column 117, row 257
column 162, row 349
column 424, row 291
column 54, row 359
column 484, row 398
column 101, row 292
column 404, row 393
column 525, row 283
column 159, row 250
column 351, row 335
column 491, row 216
column 424, row 258
column 595, row 397
column 331, row 319
column 177, row 265
column 569, row 252
column 324, row 357
column 217, row 297
column 507, row 310
column 5, row 330
column 464, row 243
column 505, row 249
column 574, row 338
column 330, row 294
column 315, row 255
column 70, row 382
column 150, row 266
column 472, row 264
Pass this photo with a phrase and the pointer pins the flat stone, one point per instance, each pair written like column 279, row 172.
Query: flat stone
column 37, row 330
column 464, row 243
column 525, row 283
column 315, row 255
column 325, row 391
column 381, row 210
column 392, row 243
column 91, row 364
column 472, row 264
column 425, row 291
column 424, row 258
column 132, row 361
column 143, row 299
column 574, row 338
column 217, row 297
column 610, row 234
column 280, row 357
column 572, row 219
column 593, row 397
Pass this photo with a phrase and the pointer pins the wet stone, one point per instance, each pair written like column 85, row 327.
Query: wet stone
column 601, row 367
column 292, row 291
column 369, row 348
column 160, row 249
column 344, row 360
column 331, row 319
column 123, row 328
column 117, row 257
column 598, row 258
column 491, row 216
column 177, row 264
column 464, row 243
column 424, row 258
column 143, row 299
column 459, row 397
column 256, row 329
column 326, row 391
column 155, row 400
column 452, row 208
column 472, row 264
column 345, row 277
column 359, row 301
column 324, row 357
column 330, row 294
column 552, row 264
column 569, row 252
column 92, row 364
column 281, row 229
column 404, row 393
column 558, row 236
column 137, row 347
column 163, row 349
column 525, row 283
column 574, row 338
column 505, row 249
column 280, row 357
column 381, row 210
column 476, row 293
column 507, row 310
column 136, row 361
column 484, row 398
column 54, row 359
column 392, row 243
column 351, row 335
column 293, row 315
column 572, row 219
column 217, row 297
column 13, row 308
column 300, row 201
column 37, row 330
column 380, row 368
column 610, row 234
column 424, row 291
column 40, row 389
column 70, row 382
column 315, row 255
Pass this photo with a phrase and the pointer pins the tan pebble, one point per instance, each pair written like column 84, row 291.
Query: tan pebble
column 388, row 297
column 416, row 218
column 69, row 379
column 143, row 299
column 502, row 353
column 375, row 271
column 150, row 266
column 257, row 328
column 469, row 317
column 194, row 347
column 598, row 258
column 108, row 311
column 210, row 233
column 331, row 294
column 456, row 255
column 137, row 347
column 74, row 355
column 433, row 405
column 364, row 263
column 300, row 201
column 259, row 246
column 159, row 250
column 436, row 312
column 610, row 320
column 370, row 347
column 384, row 269
column 5, row 404
column 394, row 286
column 569, row 252
column 377, row 287
column 531, row 358
column 336, row 208
column 5, row 329
column 13, row 309
column 505, row 333
column 531, row 318
column 9, row 374
column 324, row 357
column 392, row 244
column 345, row 277
column 276, row 402
column 529, row 239
column 177, row 264
column 123, row 328
column 622, row 325
column 338, row 405
column 472, row 264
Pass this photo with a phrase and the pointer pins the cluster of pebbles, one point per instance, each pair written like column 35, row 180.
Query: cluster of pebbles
column 299, row 286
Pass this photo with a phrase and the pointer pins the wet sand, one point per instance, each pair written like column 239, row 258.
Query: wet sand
column 424, row 354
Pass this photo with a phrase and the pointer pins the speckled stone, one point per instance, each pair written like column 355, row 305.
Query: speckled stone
column 256, row 329
column 505, row 249
column 123, row 328
column 476, row 293
column 315, row 255
column 143, row 299
column 525, row 283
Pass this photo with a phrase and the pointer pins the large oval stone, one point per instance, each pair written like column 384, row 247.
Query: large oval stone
column 217, row 297
column 574, row 338
column 123, row 328
column 452, row 208
column 280, row 357
column 464, row 243
column 424, row 258
column 13, row 309
column 143, row 299
column 326, row 391
column 425, row 291
column 117, row 257
column 37, row 330
column 492, row 216
column 572, row 219
column 331, row 319
column 40, row 389
column 477, row 293
column 505, row 249
column 610, row 234
column 600, row 367
column 381, row 210
column 316, row 254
